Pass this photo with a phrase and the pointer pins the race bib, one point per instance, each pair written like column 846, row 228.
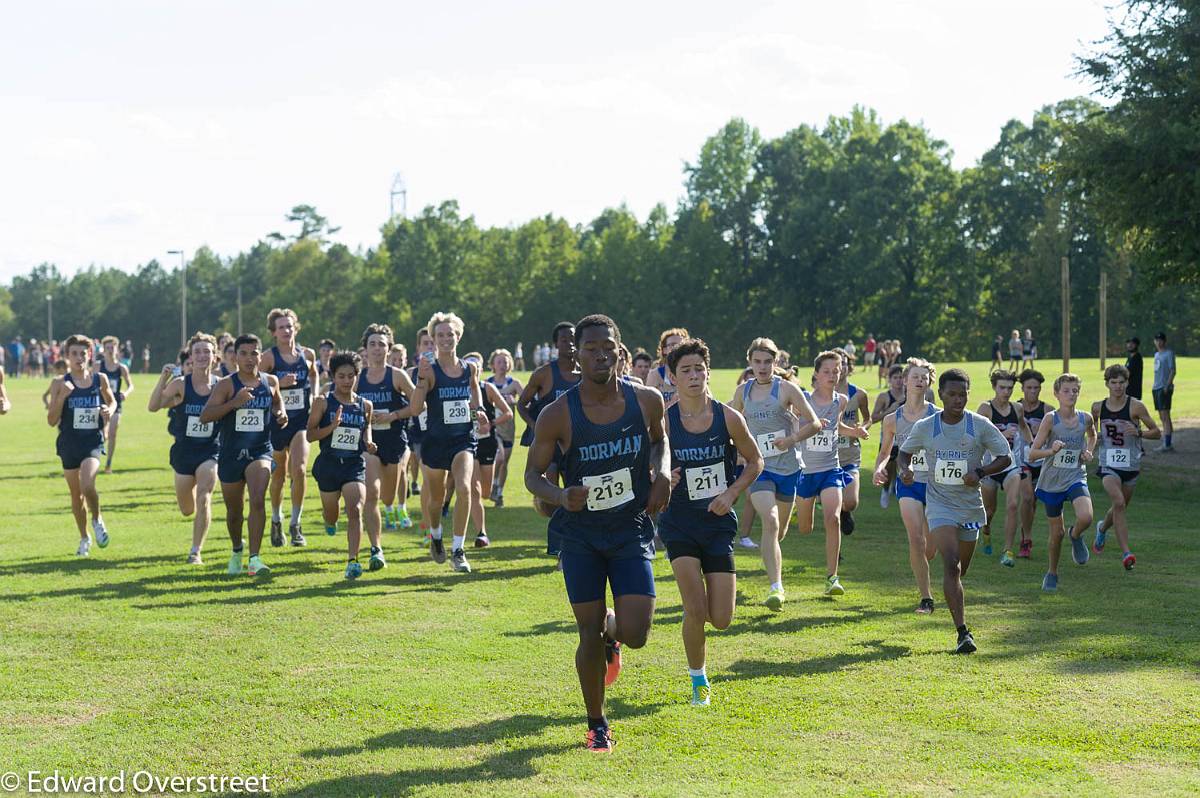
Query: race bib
column 86, row 417
column 918, row 462
column 457, row 411
column 249, row 419
column 610, row 490
column 766, row 442
column 845, row 442
column 197, row 430
column 293, row 399
column 381, row 426
column 1066, row 458
column 950, row 472
column 823, row 441
column 346, row 438
column 1117, row 458
column 423, row 420
column 705, row 482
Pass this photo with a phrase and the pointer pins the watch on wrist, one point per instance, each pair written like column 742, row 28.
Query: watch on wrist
column 979, row 473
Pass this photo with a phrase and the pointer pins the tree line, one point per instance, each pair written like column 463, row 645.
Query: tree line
column 813, row 238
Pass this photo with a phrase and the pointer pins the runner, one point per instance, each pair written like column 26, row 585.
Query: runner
column 501, row 361
column 850, row 448
column 453, row 399
column 545, row 385
column 241, row 403
column 821, row 474
column 5, row 405
column 194, row 452
column 642, row 362
column 118, row 381
column 1034, row 410
column 997, row 354
column 1006, row 417
column 779, row 418
column 886, row 404
column 922, row 547
column 659, row 377
column 295, row 367
column 389, row 391
column 699, row 524
column 416, row 436
column 488, row 452
column 395, row 497
column 325, row 351
column 342, row 422
column 954, row 441
column 550, row 381
column 81, row 403
column 1065, row 443
column 616, row 468
column 228, row 359
column 1119, row 419
column 1028, row 350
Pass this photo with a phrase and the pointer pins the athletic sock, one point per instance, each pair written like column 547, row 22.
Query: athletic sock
column 238, row 550
column 388, row 509
column 436, row 532
column 777, row 585
column 597, row 723
column 458, row 542
column 277, row 513
column 297, row 509
column 1167, row 439
column 699, row 676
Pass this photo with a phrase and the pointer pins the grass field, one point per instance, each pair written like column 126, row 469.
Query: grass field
column 418, row 681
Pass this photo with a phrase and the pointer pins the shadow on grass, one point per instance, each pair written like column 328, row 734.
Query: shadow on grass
column 877, row 651
column 508, row 763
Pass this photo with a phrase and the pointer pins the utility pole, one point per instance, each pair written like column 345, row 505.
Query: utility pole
column 1066, row 315
column 239, row 305
column 49, row 320
column 399, row 189
column 1103, row 317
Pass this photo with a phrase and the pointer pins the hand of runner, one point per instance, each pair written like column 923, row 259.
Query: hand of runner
column 168, row 371
column 660, row 494
column 485, row 426
column 676, row 475
column 371, row 447
column 859, row 432
column 879, row 478
column 337, row 417
column 287, row 380
column 281, row 419
column 906, row 476
column 969, row 479
column 721, row 505
column 104, row 414
column 1056, row 447
column 784, row 443
column 243, row 396
column 1086, row 456
column 573, row 498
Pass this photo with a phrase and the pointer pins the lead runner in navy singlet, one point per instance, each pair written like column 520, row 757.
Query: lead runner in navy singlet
column 616, row 469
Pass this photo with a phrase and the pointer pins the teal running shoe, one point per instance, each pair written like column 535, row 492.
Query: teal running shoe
column 257, row 567
column 376, row 563
column 701, row 692
column 353, row 570
column 1050, row 583
column 235, row 564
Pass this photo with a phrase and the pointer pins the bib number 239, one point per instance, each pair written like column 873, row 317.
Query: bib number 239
column 456, row 412
column 610, row 490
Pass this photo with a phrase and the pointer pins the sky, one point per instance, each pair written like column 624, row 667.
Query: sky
column 131, row 128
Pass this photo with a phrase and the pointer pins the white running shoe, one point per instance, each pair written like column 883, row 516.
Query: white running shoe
column 747, row 543
column 101, row 532
column 85, row 547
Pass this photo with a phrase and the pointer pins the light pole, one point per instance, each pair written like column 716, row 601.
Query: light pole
column 49, row 317
column 183, row 336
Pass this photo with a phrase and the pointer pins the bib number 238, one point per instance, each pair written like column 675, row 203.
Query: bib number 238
column 610, row 490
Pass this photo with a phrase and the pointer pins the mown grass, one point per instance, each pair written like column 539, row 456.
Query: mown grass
column 417, row 681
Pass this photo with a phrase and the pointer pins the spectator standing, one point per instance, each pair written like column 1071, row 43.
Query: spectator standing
column 869, row 349
column 519, row 357
column 1134, row 363
column 1164, row 388
column 17, row 350
column 1028, row 349
column 146, row 359
column 851, row 350
column 997, row 354
column 1015, row 350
